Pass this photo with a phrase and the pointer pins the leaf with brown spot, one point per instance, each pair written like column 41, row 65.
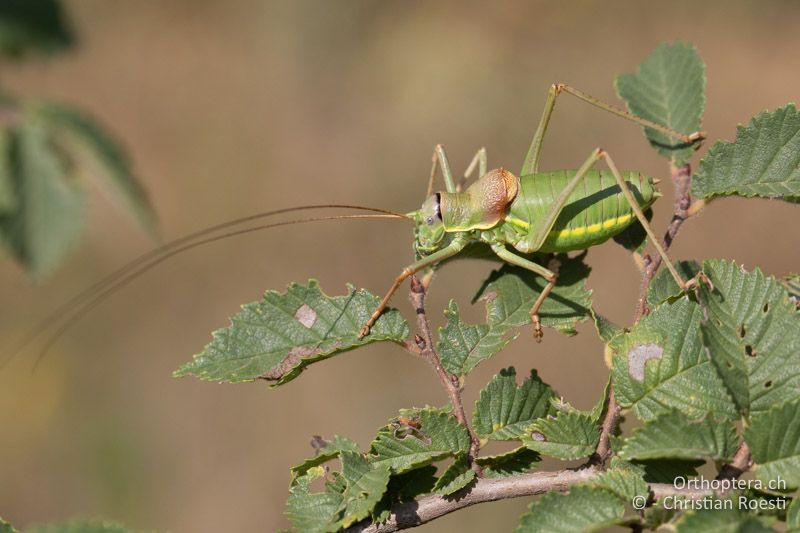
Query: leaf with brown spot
column 276, row 338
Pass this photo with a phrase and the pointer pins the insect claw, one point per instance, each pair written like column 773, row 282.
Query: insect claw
column 537, row 328
column 364, row 331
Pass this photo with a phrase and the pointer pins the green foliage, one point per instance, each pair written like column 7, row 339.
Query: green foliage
column 663, row 287
column 81, row 526
column 668, row 89
column 626, row 483
column 764, row 160
column 365, row 484
column 753, row 335
column 568, row 435
column 510, row 292
column 50, row 202
column 504, row 410
column 5, row 527
column 661, row 365
column 517, row 461
column 581, row 509
column 457, row 476
column 32, row 26
column 329, row 451
column 276, row 338
column 462, row 346
column 47, row 151
column 439, row 436
column 774, row 440
column 721, row 521
column 673, row 436
column 313, row 511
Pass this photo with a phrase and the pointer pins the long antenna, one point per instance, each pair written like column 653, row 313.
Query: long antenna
column 77, row 306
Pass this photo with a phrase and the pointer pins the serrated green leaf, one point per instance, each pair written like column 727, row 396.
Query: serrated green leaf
column 331, row 450
column 668, row 89
column 365, row 485
column 793, row 515
column 92, row 147
column 673, row 436
column 625, row 483
column 661, row 365
column 606, row 329
column 657, row 515
column 504, row 410
column 81, row 526
column 438, row 436
column 312, row 511
column 764, row 160
column 412, row 484
column 660, row 470
column 27, row 26
column 276, row 338
column 581, row 509
column 510, row 292
column 727, row 519
column 774, row 440
column 8, row 193
column 462, row 346
column 753, row 335
column 517, row 461
column 50, row 204
column 457, row 476
column 568, row 435
column 663, row 287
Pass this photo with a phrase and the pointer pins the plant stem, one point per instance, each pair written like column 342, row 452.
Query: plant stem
column 449, row 381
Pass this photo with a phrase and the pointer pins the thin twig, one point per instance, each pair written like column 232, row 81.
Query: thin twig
column 682, row 179
column 449, row 381
column 609, row 426
column 741, row 463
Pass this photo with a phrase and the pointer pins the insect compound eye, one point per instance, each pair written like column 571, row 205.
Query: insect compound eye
column 429, row 221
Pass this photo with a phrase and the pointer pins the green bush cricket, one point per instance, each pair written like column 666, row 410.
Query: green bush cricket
column 536, row 212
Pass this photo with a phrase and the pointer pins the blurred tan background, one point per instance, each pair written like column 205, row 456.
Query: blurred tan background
column 233, row 107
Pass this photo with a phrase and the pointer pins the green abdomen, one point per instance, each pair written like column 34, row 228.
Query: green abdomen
column 596, row 211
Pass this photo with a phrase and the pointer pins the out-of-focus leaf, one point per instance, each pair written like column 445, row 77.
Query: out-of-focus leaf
column 329, row 451
column 752, row 332
column 510, row 292
column 5, row 527
column 462, row 346
column 81, row 526
column 764, row 160
column 673, row 436
column 276, row 338
column 92, row 147
column 668, row 89
column 8, row 194
column 517, row 461
column 437, row 436
column 313, row 512
column 581, row 509
column 457, row 476
column 568, row 435
column 721, row 519
column 792, row 284
column 774, row 440
column 32, row 26
column 50, row 204
column 661, row 365
column 504, row 410
column 793, row 515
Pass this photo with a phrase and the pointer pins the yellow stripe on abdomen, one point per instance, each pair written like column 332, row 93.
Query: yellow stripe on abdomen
column 594, row 228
